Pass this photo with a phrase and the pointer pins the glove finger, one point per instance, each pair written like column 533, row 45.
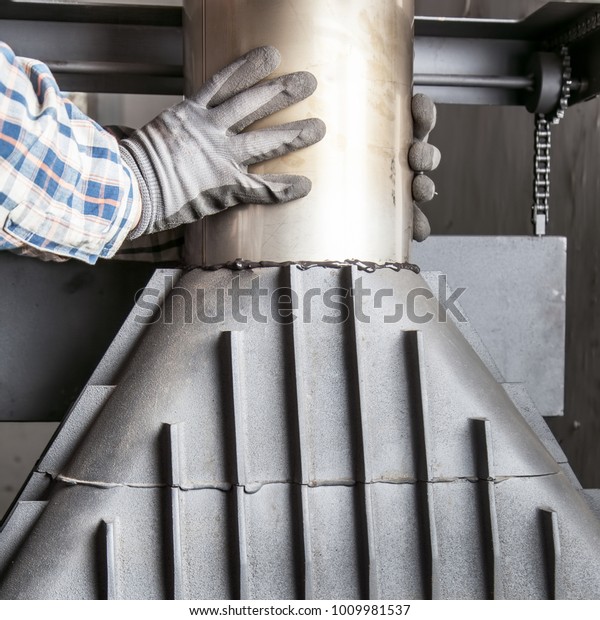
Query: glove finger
column 250, row 189
column 265, row 99
column 238, row 76
column 423, row 188
column 423, row 157
column 257, row 146
column 421, row 227
column 271, row 188
column 424, row 116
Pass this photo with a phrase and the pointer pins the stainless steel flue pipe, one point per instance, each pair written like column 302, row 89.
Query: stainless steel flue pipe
column 361, row 52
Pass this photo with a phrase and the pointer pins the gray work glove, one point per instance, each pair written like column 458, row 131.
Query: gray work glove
column 192, row 159
column 422, row 157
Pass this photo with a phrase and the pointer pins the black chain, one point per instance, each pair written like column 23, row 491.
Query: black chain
column 541, row 175
column 543, row 143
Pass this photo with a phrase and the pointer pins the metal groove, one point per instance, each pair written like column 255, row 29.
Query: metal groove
column 424, row 468
column 236, row 347
column 370, row 544
column 432, row 552
column 242, row 540
column 175, row 517
column 298, row 359
column 484, row 448
column 551, row 536
column 302, row 439
column 361, row 392
column 110, row 561
column 486, row 472
column 365, row 474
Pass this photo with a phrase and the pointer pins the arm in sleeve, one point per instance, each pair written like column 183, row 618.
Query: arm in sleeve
column 64, row 189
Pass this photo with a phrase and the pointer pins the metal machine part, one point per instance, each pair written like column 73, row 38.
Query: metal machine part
column 524, row 332
column 540, row 210
column 545, row 92
column 361, row 54
column 289, row 456
column 516, row 63
column 456, row 60
column 301, row 430
column 488, row 62
column 550, row 108
column 95, row 48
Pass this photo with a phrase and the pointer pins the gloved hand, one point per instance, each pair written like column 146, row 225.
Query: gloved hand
column 422, row 157
column 192, row 159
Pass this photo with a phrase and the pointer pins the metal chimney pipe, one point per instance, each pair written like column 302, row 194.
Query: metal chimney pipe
column 361, row 52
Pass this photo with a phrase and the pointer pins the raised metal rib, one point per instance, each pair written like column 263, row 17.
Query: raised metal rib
column 484, row 452
column 242, row 540
column 482, row 429
column 365, row 473
column 110, row 566
column 236, row 348
column 175, row 525
column 552, row 549
column 304, row 474
column 416, row 344
column 432, row 553
column 424, row 468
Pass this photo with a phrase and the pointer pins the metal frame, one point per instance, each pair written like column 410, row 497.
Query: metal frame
column 487, row 62
column 132, row 49
column 116, row 49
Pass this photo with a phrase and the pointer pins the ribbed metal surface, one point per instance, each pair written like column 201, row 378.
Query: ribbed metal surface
column 112, row 579
column 361, row 54
column 274, row 458
column 482, row 432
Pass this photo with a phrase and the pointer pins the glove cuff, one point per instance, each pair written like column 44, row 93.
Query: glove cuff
column 135, row 159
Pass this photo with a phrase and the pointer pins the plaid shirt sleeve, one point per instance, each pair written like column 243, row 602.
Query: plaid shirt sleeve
column 64, row 190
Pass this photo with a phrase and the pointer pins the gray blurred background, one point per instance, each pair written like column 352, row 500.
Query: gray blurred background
column 56, row 320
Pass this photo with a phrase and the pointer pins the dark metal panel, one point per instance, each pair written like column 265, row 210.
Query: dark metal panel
column 123, row 50
column 550, row 20
column 439, row 60
column 92, row 13
column 56, row 322
column 457, row 60
column 585, row 58
column 130, row 49
column 67, row 42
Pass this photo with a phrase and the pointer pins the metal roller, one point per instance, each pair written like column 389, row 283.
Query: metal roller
column 361, row 52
